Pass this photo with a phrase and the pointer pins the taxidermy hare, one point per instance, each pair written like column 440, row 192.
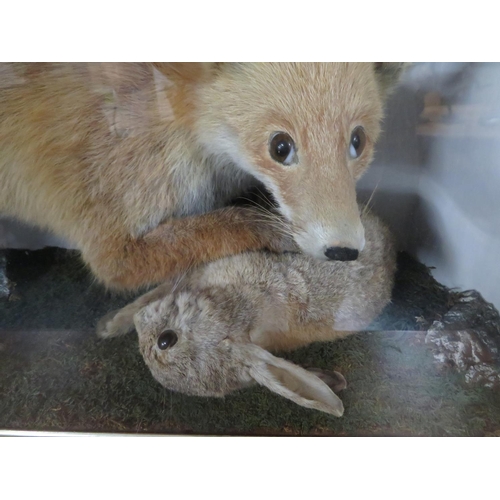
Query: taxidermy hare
column 210, row 331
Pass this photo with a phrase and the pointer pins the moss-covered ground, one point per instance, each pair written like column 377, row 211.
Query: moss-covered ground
column 56, row 375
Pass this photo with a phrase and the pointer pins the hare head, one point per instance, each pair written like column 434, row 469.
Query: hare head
column 194, row 347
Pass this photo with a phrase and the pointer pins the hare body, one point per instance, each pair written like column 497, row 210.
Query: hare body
column 221, row 319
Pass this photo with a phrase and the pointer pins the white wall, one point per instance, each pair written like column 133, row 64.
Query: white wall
column 448, row 173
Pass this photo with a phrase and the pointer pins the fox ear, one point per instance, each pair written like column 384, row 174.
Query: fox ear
column 292, row 381
column 388, row 75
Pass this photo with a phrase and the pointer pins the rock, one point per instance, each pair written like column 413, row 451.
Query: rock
column 468, row 338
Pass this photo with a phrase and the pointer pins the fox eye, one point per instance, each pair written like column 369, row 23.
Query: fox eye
column 358, row 141
column 167, row 339
column 282, row 148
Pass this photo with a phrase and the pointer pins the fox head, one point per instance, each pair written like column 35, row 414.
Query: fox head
column 305, row 130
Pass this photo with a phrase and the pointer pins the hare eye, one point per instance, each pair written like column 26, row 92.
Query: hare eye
column 167, row 339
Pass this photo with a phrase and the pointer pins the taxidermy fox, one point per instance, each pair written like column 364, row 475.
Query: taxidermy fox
column 135, row 164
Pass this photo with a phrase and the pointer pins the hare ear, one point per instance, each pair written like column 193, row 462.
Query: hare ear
column 140, row 319
column 293, row 382
column 122, row 321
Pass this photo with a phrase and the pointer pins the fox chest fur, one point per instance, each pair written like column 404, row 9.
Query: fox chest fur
column 77, row 139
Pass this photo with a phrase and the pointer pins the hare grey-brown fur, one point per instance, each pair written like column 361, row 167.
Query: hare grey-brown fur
column 229, row 313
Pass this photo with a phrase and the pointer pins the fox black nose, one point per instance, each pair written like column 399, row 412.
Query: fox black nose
column 341, row 253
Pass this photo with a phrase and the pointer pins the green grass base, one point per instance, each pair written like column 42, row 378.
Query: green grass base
column 56, row 375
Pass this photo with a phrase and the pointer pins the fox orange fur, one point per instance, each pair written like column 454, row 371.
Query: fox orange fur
column 135, row 164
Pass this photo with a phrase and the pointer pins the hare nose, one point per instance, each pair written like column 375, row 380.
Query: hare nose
column 341, row 253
